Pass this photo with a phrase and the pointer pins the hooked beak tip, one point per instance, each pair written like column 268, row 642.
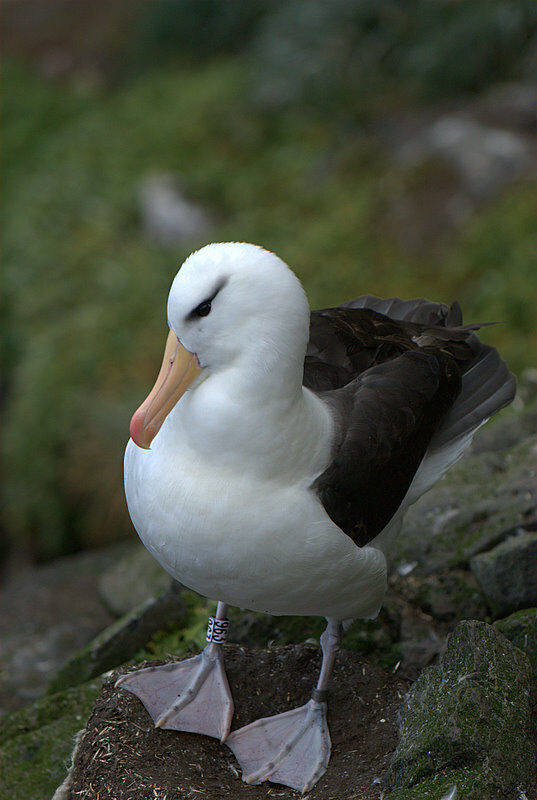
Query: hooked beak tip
column 137, row 431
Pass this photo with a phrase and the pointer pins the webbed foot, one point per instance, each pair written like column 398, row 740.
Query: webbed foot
column 191, row 695
column 292, row 748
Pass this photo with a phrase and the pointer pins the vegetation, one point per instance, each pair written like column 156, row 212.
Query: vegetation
column 323, row 55
column 84, row 291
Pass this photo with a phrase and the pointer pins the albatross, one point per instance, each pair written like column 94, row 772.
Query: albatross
column 271, row 465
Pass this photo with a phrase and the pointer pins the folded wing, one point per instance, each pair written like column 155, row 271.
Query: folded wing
column 408, row 385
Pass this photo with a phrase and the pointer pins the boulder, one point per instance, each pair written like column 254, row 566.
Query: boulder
column 468, row 721
column 511, row 429
column 36, row 742
column 447, row 595
column 121, row 640
column 486, row 158
column 134, row 578
column 521, row 630
column 48, row 612
column 480, row 501
column 507, row 574
column 513, row 104
column 168, row 217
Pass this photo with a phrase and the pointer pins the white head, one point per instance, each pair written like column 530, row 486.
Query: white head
column 231, row 300
column 232, row 306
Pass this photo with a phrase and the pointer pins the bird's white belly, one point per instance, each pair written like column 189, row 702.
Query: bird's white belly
column 230, row 537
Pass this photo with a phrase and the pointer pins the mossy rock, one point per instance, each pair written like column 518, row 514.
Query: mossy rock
column 122, row 640
column 448, row 595
column 473, row 712
column 133, row 578
column 507, row 574
column 521, row 629
column 36, row 743
column 480, row 500
column 448, row 785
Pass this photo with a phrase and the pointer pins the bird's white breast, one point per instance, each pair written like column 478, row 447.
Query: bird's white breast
column 233, row 536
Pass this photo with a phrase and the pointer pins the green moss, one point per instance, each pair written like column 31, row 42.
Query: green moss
column 473, row 710
column 480, row 498
column 521, row 630
column 36, row 743
column 469, row 783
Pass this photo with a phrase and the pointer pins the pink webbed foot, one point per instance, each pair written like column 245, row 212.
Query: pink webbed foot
column 291, row 748
column 191, row 695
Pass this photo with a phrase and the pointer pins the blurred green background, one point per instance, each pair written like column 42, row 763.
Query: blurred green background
column 384, row 147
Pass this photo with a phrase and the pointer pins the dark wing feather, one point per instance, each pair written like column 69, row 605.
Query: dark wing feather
column 417, row 310
column 386, row 418
column 401, row 377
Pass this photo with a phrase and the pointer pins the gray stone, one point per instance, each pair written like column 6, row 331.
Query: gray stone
column 48, row 612
column 486, row 158
column 513, row 104
column 507, row 574
column 448, row 595
column 480, row 501
column 168, row 217
column 521, row 629
column 510, row 429
column 121, row 640
column 134, row 578
column 471, row 715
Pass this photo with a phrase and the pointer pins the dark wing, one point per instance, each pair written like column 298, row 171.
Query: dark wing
column 395, row 385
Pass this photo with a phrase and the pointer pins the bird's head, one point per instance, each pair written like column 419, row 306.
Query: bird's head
column 229, row 304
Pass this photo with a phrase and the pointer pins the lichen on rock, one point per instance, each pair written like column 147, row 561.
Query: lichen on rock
column 521, row 630
column 471, row 510
column 36, row 742
column 471, row 712
column 507, row 574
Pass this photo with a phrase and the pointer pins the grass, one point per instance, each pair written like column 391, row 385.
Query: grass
column 84, row 291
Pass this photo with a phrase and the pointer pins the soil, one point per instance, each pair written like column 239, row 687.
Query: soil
column 122, row 756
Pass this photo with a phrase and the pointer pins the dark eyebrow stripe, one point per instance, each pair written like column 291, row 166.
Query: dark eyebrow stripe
column 218, row 288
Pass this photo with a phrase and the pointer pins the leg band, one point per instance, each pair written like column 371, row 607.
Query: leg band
column 320, row 695
column 217, row 630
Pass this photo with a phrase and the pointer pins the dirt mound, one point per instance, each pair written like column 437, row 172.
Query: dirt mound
column 122, row 756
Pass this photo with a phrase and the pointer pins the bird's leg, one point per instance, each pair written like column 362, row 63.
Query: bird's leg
column 292, row 748
column 191, row 695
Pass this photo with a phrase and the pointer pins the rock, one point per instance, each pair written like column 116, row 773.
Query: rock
column 469, row 719
column 483, row 158
column 421, row 641
column 521, row 630
column 168, row 217
column 480, row 501
column 122, row 754
column 49, row 611
column 507, row 574
column 508, row 431
column 35, row 743
column 121, row 640
column 513, row 104
column 486, row 158
column 448, row 595
column 134, row 578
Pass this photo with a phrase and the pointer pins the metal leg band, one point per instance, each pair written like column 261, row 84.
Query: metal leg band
column 320, row 695
column 217, row 630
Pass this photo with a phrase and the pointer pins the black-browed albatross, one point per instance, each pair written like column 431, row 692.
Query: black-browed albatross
column 285, row 449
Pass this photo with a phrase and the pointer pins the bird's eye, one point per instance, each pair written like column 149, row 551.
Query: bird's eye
column 203, row 309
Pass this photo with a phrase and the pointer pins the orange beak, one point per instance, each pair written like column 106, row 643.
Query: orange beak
column 178, row 370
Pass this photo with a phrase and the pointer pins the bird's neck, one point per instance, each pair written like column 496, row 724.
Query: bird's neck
column 255, row 415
